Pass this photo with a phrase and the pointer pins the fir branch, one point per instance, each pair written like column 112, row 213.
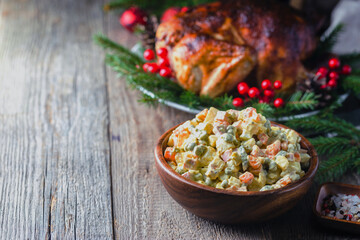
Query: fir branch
column 156, row 7
column 352, row 83
column 107, row 44
column 326, row 145
column 351, row 58
column 337, row 165
column 342, row 150
column 327, row 42
column 324, row 125
column 302, row 101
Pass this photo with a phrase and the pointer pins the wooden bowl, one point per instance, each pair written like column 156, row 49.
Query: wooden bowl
column 232, row 207
column 331, row 188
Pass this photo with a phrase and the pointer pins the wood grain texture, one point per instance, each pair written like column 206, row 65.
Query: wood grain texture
column 54, row 148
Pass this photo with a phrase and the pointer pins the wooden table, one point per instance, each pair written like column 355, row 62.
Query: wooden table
column 76, row 148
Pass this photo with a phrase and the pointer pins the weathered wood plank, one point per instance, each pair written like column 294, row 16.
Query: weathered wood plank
column 54, row 148
column 142, row 207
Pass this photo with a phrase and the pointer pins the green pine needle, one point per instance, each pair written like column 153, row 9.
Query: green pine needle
column 327, row 43
column 352, row 83
column 156, row 7
column 351, row 58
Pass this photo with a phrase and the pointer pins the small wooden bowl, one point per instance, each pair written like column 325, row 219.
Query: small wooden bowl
column 232, row 207
column 332, row 188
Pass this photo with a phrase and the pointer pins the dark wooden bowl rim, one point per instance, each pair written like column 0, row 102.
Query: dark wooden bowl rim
column 314, row 163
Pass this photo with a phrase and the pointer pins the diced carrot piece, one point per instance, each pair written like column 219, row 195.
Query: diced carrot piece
column 297, row 157
column 284, row 181
column 169, row 154
column 182, row 136
column 202, row 115
column 274, row 148
column 257, row 152
column 263, row 138
column 254, row 162
column 246, row 177
column 252, row 114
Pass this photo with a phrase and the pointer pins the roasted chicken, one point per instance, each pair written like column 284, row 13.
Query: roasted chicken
column 213, row 47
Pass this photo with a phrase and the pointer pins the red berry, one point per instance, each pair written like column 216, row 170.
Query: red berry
column 153, row 68
column 277, row 84
column 146, row 67
column 266, row 84
column 346, row 69
column 264, row 99
column 253, row 92
column 163, row 62
column 149, row 54
column 169, row 13
column 132, row 17
column 165, row 72
column 334, row 63
column 323, row 86
column 332, row 83
column 238, row 102
column 243, row 88
column 278, row 102
column 334, row 75
column 162, row 52
column 184, row 9
column 322, row 72
column 269, row 93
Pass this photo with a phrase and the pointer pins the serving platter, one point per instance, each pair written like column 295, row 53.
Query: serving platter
column 139, row 49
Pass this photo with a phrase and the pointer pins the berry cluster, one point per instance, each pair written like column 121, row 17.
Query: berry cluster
column 333, row 73
column 267, row 94
column 162, row 66
column 133, row 17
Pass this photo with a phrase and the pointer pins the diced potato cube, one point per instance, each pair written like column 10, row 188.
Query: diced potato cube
column 215, row 168
column 233, row 181
column 212, row 140
column 248, row 145
column 282, row 162
column 292, row 137
column 208, row 156
column 208, row 127
column 258, row 182
column 211, row 115
column 200, row 117
column 222, row 145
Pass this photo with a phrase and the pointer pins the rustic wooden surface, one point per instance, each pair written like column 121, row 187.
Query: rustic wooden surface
column 76, row 148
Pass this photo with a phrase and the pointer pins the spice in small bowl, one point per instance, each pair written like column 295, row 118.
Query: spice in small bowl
column 337, row 206
column 342, row 206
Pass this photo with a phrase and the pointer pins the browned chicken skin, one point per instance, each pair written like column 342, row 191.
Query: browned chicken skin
column 213, row 47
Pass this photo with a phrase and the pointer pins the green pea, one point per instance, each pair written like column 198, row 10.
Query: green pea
column 208, row 181
column 203, row 135
column 228, row 171
column 242, row 153
column 245, row 164
column 199, row 150
column 224, row 183
column 198, row 176
column 272, row 165
column 228, row 138
column 190, row 146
